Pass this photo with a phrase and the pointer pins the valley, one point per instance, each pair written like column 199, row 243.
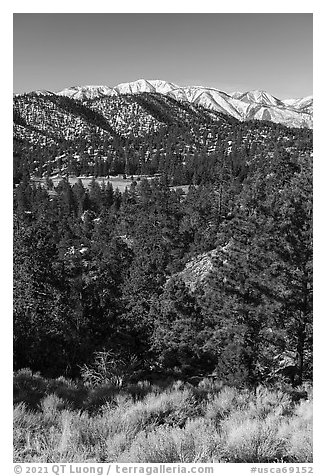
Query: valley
column 162, row 275
column 143, row 133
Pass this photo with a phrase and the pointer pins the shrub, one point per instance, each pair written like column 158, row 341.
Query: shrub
column 51, row 405
column 227, row 400
column 99, row 396
column 28, row 427
column 252, row 440
column 196, row 443
column 297, row 432
column 266, row 401
column 179, row 424
column 108, row 369
column 170, row 408
column 68, row 390
column 211, row 385
column 29, row 387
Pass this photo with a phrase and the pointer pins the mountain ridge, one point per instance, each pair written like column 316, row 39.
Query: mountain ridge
column 248, row 105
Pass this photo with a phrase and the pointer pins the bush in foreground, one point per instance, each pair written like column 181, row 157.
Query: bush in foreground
column 61, row 421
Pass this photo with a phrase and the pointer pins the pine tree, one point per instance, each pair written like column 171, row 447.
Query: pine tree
column 180, row 337
column 262, row 273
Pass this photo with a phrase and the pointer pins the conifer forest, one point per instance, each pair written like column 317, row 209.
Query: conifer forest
column 162, row 283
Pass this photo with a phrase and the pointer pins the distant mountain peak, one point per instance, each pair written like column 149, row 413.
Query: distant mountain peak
column 86, row 92
column 253, row 104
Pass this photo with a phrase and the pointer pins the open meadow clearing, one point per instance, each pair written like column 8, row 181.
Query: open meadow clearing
column 118, row 182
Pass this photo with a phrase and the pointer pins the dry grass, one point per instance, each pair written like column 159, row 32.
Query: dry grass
column 197, row 442
column 178, row 424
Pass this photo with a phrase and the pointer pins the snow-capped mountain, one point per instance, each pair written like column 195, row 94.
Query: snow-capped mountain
column 145, row 86
column 135, row 87
column 258, row 97
column 110, row 132
column 243, row 106
column 301, row 104
column 83, row 93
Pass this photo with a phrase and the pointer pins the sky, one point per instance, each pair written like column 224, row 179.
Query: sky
column 230, row 52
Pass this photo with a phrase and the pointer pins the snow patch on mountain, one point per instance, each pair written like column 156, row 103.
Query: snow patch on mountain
column 87, row 92
column 260, row 97
column 255, row 104
column 139, row 86
column 302, row 104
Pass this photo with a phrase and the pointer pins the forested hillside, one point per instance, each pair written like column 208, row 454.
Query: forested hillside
column 154, row 282
column 140, row 134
